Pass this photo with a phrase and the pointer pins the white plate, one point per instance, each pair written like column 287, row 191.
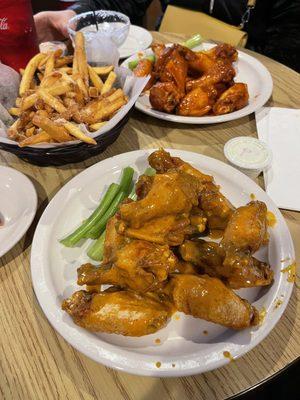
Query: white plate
column 18, row 202
column 184, row 349
column 249, row 70
column 138, row 39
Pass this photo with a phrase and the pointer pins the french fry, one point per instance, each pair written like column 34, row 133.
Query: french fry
column 52, row 101
column 15, row 111
column 66, row 70
column 38, row 138
column 42, row 63
column 112, row 107
column 60, row 62
column 56, row 90
column 93, row 92
column 30, row 131
column 21, row 70
column 75, row 131
column 109, row 82
column 29, row 72
column 82, row 87
column 71, row 95
column 103, row 70
column 18, row 101
column 80, row 56
column 13, row 129
column 97, row 125
column 50, row 79
column 57, row 132
column 49, row 67
column 95, row 79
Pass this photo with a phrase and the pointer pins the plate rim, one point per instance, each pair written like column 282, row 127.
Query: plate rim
column 211, row 119
column 22, row 229
column 125, row 367
column 140, row 28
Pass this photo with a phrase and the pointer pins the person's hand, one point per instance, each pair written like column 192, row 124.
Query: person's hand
column 52, row 25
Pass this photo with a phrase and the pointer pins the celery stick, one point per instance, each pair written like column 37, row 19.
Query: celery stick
column 72, row 239
column 101, row 224
column 95, row 251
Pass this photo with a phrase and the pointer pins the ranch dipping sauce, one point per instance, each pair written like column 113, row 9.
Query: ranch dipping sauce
column 250, row 155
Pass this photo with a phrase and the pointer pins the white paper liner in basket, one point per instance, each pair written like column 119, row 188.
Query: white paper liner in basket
column 132, row 87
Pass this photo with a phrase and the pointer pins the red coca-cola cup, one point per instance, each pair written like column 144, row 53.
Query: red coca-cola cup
column 18, row 40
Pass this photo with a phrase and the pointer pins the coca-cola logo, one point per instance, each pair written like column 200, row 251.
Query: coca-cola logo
column 3, row 24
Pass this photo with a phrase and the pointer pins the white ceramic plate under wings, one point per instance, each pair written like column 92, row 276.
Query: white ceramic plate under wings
column 184, row 349
column 249, row 70
column 138, row 39
column 18, row 202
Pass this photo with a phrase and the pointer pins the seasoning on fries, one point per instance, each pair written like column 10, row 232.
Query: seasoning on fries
column 58, row 93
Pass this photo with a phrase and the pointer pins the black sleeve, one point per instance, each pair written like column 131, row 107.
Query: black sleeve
column 134, row 9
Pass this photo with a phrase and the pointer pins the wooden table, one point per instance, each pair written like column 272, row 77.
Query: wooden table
column 36, row 363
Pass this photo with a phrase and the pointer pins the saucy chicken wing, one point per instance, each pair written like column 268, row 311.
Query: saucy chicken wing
column 195, row 103
column 216, row 206
column 223, row 50
column 137, row 265
column 164, row 96
column 170, row 230
column 234, row 98
column 121, row 312
column 171, row 193
column 237, row 269
column 163, row 162
column 247, row 228
column 208, row 298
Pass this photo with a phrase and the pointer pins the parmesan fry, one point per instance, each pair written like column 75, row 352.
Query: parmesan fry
column 30, row 131
column 49, row 64
column 103, row 70
column 75, row 131
column 82, row 87
column 29, row 72
column 15, row 111
column 109, row 82
column 38, row 138
column 95, row 79
column 66, row 70
column 93, row 92
column 97, row 125
column 52, row 101
column 57, row 90
column 56, row 131
column 60, row 62
column 80, row 56
column 50, row 79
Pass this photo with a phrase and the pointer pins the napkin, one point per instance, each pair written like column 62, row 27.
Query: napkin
column 280, row 129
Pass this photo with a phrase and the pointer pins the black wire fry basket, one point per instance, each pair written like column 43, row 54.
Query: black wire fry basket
column 62, row 155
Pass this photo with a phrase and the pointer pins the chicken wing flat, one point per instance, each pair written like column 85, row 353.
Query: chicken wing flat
column 241, row 270
column 234, row 98
column 237, row 269
column 197, row 62
column 163, row 162
column 164, row 96
column 216, row 206
column 208, row 298
column 121, row 312
column 137, row 265
column 171, row 193
column 222, row 51
column 175, row 70
column 195, row 103
column 170, row 230
column 222, row 71
column 145, row 68
column 247, row 228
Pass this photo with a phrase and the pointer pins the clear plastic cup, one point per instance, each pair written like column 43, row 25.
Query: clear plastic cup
column 99, row 25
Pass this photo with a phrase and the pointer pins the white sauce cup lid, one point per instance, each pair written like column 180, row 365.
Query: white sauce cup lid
column 248, row 153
